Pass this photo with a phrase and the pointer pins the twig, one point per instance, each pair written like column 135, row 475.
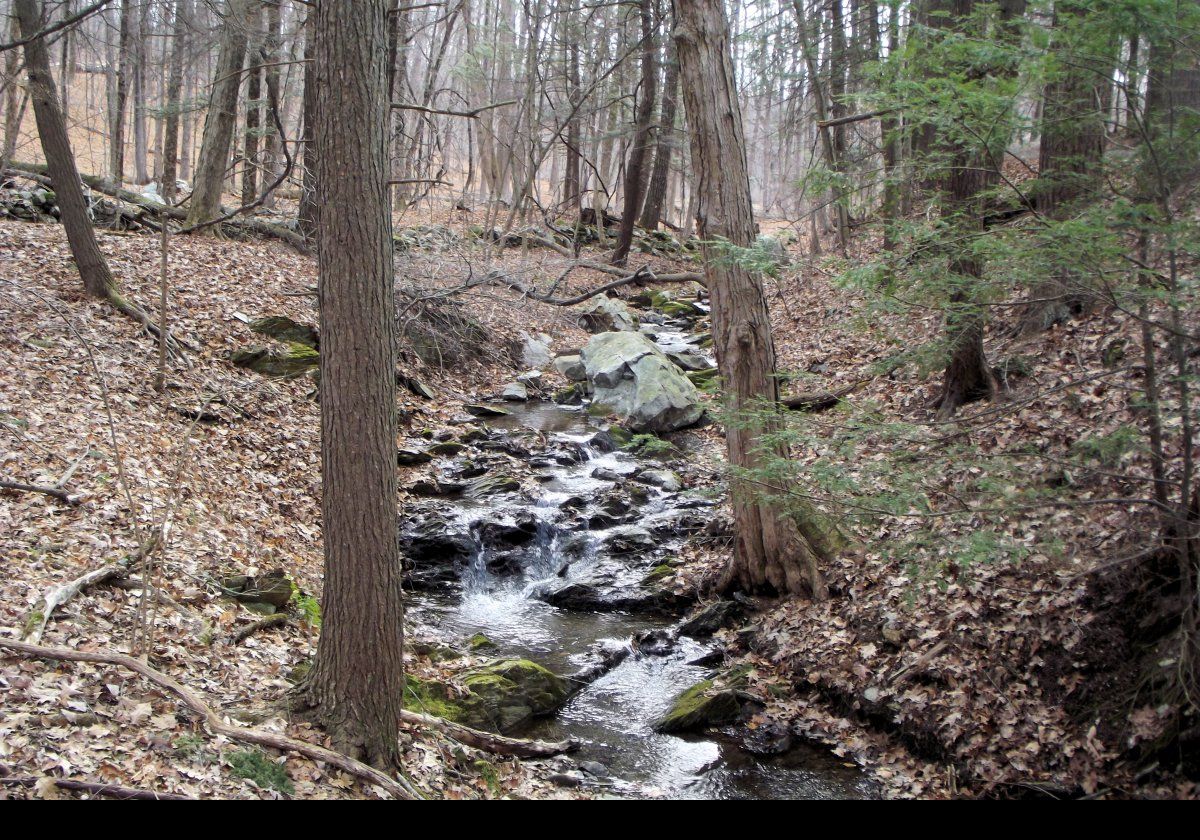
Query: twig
column 471, row 114
column 399, row 787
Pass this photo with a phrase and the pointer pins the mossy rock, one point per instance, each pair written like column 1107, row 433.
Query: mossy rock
column 273, row 589
column 704, row 704
column 448, row 447
column 480, row 642
column 412, row 458
column 658, row 574
column 296, row 360
column 282, row 328
column 435, row 652
column 571, row 395
column 506, row 693
column 702, row 378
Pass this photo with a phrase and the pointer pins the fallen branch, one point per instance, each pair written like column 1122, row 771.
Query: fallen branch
column 55, row 492
column 400, row 787
column 249, row 630
column 642, row 275
column 97, row 788
column 820, row 400
column 59, row 595
column 488, row 741
column 471, row 114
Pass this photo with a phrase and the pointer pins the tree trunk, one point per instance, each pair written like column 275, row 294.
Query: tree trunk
column 1072, row 146
column 641, row 138
column 116, row 151
column 222, row 116
column 309, row 214
column 664, row 146
column 356, row 686
column 254, row 110
column 170, row 157
column 776, row 550
column 60, row 160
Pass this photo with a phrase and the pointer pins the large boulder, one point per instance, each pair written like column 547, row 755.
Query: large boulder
column 635, row 380
column 506, row 693
column 608, row 315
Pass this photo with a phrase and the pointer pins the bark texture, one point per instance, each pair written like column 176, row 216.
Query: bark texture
column 776, row 551
column 60, row 159
column 355, row 688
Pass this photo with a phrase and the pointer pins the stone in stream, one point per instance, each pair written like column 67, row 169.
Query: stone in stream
column 705, row 704
column 486, row 411
column 665, row 480
column 515, row 392
column 631, row 377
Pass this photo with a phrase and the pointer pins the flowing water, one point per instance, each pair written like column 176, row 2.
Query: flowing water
column 612, row 717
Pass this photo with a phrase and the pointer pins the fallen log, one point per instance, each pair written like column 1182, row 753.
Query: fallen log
column 152, row 209
column 814, row 401
column 398, row 787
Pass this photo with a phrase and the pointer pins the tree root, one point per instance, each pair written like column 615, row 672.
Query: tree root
column 488, row 741
column 95, row 788
column 399, row 787
column 249, row 630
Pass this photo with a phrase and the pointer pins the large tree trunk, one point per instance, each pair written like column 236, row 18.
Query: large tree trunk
column 222, row 116
column 116, row 151
column 664, row 145
column 641, row 138
column 254, row 111
column 309, row 214
column 356, row 685
column 60, row 160
column 776, row 550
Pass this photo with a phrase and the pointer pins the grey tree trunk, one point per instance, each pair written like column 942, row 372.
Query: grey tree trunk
column 222, row 116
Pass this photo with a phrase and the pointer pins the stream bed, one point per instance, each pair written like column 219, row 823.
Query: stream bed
column 572, row 586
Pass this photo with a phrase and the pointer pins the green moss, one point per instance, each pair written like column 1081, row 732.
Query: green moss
column 488, row 773
column 508, row 692
column 296, row 360
column 286, row 330
column 658, row 573
column 430, row 697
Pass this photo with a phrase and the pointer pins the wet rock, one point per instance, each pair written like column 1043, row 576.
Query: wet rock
column 608, row 315
column 594, row 768
column 448, row 447
column 604, row 474
column 434, row 548
column 632, row 378
column 486, row 411
column 656, row 642
column 663, row 479
column 628, row 539
column 769, row 738
column 433, row 487
column 710, row 618
column 571, row 367
column 602, row 658
column 480, row 642
column 491, row 485
column 513, row 533
column 603, row 442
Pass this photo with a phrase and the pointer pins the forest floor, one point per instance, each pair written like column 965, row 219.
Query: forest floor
column 940, row 680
